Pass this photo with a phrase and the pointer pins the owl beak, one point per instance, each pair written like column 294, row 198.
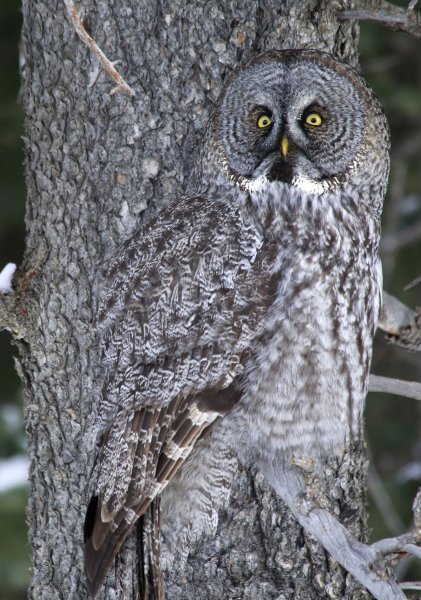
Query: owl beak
column 284, row 146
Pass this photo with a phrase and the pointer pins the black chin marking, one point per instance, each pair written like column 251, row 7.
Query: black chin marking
column 281, row 171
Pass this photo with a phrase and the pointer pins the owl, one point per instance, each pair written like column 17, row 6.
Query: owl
column 239, row 320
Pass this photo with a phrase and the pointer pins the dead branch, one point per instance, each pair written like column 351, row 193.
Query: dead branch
column 405, row 543
column 409, row 337
column 401, row 323
column 416, row 507
column 394, row 17
column 412, row 283
column 96, row 50
column 394, row 315
column 397, row 387
column 364, row 562
column 411, row 585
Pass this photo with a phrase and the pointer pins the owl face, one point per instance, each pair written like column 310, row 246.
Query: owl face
column 293, row 116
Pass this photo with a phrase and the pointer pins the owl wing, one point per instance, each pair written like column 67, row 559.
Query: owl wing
column 187, row 297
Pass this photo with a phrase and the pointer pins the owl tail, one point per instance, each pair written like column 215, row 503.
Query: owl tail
column 104, row 540
column 150, row 540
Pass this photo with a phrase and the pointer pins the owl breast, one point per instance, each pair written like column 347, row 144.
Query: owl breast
column 306, row 380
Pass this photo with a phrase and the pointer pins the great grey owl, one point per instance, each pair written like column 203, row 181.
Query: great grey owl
column 247, row 306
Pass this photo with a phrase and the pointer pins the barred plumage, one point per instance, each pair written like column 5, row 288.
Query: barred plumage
column 240, row 319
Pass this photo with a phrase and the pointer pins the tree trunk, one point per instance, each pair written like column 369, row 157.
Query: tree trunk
column 96, row 165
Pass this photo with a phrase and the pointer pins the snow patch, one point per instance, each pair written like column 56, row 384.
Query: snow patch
column 13, row 472
column 6, row 276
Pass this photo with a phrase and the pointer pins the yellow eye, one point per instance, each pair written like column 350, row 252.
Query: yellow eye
column 314, row 119
column 264, row 121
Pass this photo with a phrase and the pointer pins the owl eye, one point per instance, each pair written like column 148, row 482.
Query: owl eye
column 264, row 121
column 313, row 119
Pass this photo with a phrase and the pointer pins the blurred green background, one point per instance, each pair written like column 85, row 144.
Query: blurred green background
column 391, row 62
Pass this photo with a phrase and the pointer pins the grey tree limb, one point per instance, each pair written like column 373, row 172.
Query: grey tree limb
column 398, row 387
column 401, row 323
column 411, row 586
column 357, row 558
column 404, row 543
column 395, row 315
column 394, row 17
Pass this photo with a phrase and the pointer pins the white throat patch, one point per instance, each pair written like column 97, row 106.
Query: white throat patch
column 309, row 186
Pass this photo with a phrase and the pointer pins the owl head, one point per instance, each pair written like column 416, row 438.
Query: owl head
column 300, row 117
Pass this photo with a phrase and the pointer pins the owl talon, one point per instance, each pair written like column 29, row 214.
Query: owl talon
column 305, row 463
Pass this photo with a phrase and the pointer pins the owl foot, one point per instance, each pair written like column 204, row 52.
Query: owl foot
column 357, row 558
column 315, row 495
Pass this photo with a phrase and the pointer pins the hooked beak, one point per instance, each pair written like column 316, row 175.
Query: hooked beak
column 284, row 146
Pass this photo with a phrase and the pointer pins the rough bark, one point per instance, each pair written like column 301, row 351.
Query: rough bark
column 96, row 166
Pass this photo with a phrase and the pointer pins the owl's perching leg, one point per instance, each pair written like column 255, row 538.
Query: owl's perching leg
column 355, row 557
column 193, row 499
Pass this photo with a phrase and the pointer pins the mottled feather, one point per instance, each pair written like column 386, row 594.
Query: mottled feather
column 171, row 342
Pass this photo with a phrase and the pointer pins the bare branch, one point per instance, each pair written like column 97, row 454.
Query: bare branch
column 413, row 549
column 402, row 543
column 398, row 387
column 401, row 323
column 394, row 17
column 395, row 315
column 416, row 507
column 409, row 337
column 96, row 50
column 411, row 585
column 358, row 559
column 412, row 284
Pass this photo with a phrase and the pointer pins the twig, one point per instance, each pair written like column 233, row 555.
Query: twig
column 398, row 387
column 354, row 556
column 395, row 315
column 401, row 323
column 402, row 543
column 394, row 17
column 411, row 585
column 412, row 283
column 96, row 50
column 409, row 337
column 416, row 507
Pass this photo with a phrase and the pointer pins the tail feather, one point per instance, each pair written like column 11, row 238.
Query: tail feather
column 102, row 543
column 104, row 540
column 150, row 540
